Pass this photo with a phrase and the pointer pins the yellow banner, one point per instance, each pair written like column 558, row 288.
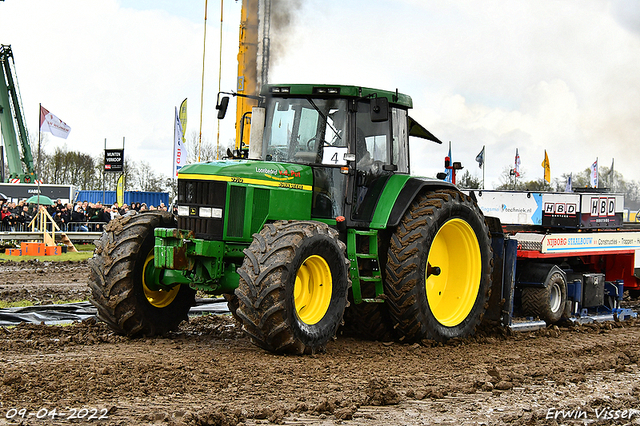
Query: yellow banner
column 183, row 118
column 120, row 190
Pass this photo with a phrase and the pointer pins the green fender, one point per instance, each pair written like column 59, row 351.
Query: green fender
column 397, row 196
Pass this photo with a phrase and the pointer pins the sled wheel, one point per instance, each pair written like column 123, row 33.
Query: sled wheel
column 548, row 303
column 293, row 287
column 121, row 275
column 439, row 268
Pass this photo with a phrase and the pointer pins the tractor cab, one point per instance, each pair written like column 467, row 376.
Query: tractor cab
column 353, row 138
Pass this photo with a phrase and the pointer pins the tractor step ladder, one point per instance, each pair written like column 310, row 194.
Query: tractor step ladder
column 355, row 257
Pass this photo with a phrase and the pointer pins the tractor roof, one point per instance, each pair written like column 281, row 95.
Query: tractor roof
column 327, row 90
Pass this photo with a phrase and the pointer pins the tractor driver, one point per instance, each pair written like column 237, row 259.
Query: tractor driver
column 363, row 157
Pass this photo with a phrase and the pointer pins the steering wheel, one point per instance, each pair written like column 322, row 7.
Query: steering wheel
column 278, row 154
column 376, row 167
column 309, row 142
column 324, row 143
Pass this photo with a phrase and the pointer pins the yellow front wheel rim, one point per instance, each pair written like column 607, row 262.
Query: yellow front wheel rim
column 312, row 289
column 454, row 272
column 157, row 298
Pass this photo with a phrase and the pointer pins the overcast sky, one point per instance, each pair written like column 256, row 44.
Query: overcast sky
column 533, row 75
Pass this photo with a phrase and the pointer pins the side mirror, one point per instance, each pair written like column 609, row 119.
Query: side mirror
column 222, row 107
column 379, row 109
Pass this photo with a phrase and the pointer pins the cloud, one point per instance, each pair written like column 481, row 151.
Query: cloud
column 551, row 75
column 560, row 76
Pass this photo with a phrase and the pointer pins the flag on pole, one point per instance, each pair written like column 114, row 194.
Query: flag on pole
column 179, row 150
column 611, row 170
column 516, row 169
column 568, row 188
column 594, row 174
column 547, row 168
column 183, row 118
column 449, row 171
column 52, row 124
column 480, row 158
column 612, row 177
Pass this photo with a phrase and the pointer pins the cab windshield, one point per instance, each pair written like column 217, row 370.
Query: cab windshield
column 306, row 130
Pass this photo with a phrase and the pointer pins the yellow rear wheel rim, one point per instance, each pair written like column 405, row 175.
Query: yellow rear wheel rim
column 452, row 293
column 312, row 289
column 157, row 298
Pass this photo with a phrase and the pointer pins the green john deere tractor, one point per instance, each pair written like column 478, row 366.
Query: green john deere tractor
column 318, row 223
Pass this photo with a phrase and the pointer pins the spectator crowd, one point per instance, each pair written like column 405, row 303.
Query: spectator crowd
column 81, row 216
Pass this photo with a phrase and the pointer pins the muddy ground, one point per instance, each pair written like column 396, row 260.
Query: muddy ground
column 207, row 373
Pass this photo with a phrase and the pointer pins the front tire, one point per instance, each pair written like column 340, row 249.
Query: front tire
column 439, row 268
column 293, row 287
column 121, row 269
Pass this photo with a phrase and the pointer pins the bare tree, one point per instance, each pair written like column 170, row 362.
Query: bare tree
column 206, row 150
column 37, row 150
column 146, row 179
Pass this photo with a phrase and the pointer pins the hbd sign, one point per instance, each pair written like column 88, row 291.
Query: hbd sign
column 113, row 160
column 603, row 206
column 560, row 208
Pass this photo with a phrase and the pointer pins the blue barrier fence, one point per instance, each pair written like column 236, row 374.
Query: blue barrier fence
column 109, row 197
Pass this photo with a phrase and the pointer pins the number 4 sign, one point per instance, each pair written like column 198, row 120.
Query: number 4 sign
column 334, row 155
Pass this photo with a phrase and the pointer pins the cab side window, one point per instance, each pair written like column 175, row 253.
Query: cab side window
column 400, row 146
column 371, row 141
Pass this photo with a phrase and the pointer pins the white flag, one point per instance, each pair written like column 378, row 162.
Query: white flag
column 52, row 124
column 179, row 149
column 569, row 188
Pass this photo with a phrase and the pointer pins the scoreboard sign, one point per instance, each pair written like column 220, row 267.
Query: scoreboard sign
column 113, row 160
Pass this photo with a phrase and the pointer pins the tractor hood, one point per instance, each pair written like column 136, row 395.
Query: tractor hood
column 266, row 173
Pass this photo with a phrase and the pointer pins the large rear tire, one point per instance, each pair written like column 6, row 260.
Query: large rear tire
column 119, row 290
column 293, row 287
column 439, row 268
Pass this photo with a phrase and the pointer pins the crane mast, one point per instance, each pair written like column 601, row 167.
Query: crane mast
column 253, row 62
column 12, row 122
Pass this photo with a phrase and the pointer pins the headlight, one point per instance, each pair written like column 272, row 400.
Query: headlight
column 183, row 211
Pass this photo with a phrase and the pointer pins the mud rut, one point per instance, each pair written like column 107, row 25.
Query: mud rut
column 207, row 373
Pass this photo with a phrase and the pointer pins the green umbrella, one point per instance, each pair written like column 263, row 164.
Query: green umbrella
column 40, row 199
